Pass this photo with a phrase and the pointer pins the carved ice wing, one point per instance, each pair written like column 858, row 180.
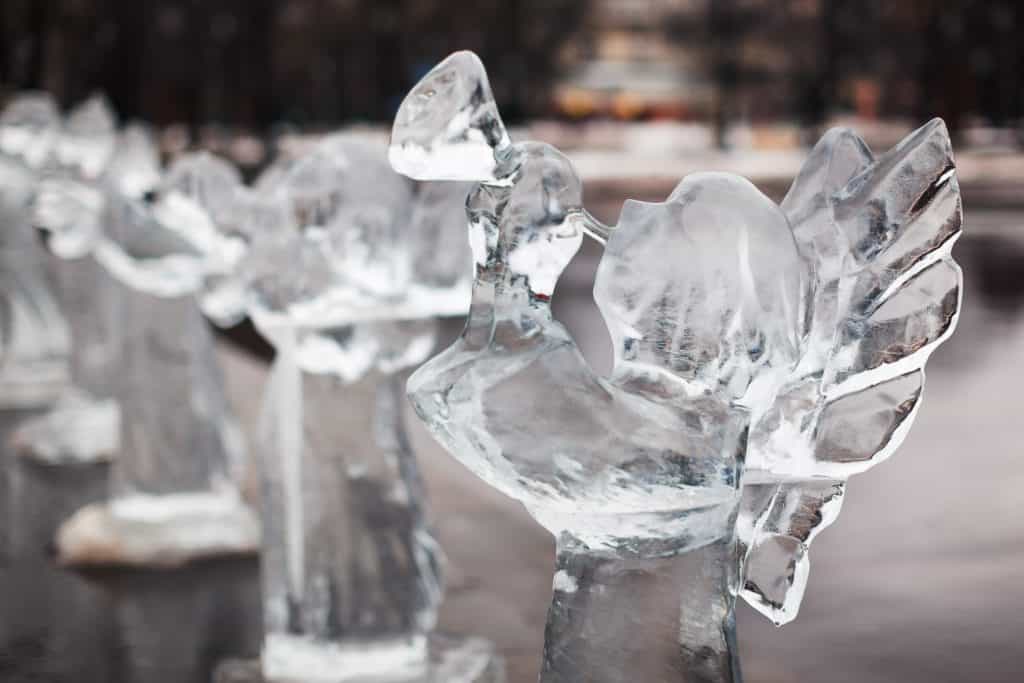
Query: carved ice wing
column 778, row 520
column 706, row 285
column 886, row 293
column 900, row 217
column 785, row 519
column 448, row 126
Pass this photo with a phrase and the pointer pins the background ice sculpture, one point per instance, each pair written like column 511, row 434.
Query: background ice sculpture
column 84, row 424
column 804, row 326
column 173, row 485
column 34, row 342
column 337, row 277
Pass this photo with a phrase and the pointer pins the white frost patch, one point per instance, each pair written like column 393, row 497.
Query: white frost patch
column 563, row 582
column 78, row 429
column 164, row 530
column 299, row 658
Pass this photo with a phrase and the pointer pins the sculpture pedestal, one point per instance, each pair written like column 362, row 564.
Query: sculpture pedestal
column 450, row 659
column 78, row 429
column 159, row 530
column 658, row 617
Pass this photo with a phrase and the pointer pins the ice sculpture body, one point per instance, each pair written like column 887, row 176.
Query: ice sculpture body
column 34, row 343
column 762, row 355
column 351, row 573
column 337, row 279
column 174, row 487
column 84, row 424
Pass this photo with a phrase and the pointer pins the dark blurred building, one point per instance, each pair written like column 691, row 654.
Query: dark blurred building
column 799, row 60
column 254, row 63
column 257, row 63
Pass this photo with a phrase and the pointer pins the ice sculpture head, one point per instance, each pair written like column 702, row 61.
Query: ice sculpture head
column 448, row 126
column 204, row 204
column 86, row 143
column 70, row 201
column 706, row 285
column 208, row 182
column 369, row 263
column 350, row 249
column 96, row 167
column 29, row 126
column 160, row 233
column 530, row 225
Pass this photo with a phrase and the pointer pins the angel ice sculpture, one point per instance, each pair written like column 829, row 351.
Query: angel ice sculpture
column 334, row 276
column 763, row 354
column 84, row 423
column 34, row 343
column 174, row 481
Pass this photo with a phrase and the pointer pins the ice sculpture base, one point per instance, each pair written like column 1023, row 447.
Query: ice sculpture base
column 79, row 429
column 288, row 659
column 159, row 530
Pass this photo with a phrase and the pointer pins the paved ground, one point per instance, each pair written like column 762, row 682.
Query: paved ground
column 920, row 581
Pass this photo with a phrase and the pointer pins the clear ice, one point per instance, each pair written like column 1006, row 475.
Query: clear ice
column 34, row 339
column 347, row 265
column 144, row 249
column 84, row 424
column 763, row 354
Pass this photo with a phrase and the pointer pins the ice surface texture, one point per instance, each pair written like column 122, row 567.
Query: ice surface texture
column 763, row 354
column 34, row 343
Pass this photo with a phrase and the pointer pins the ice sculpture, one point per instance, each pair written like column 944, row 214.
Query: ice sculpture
column 84, row 424
column 174, row 492
column 34, row 341
column 763, row 354
column 337, row 276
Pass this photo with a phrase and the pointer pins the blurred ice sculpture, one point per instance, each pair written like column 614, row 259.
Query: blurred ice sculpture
column 84, row 424
column 346, row 270
column 34, row 342
column 174, row 492
column 763, row 354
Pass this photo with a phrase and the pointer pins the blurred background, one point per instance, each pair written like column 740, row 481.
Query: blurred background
column 920, row 580
column 732, row 73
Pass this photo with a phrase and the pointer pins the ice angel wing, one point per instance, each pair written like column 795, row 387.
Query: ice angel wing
column 884, row 291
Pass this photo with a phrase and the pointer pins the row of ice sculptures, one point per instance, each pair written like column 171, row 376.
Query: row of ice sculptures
column 763, row 354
